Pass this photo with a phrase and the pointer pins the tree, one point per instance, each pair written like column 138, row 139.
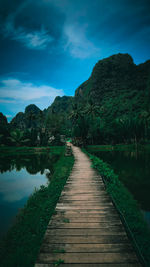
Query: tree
column 92, row 109
column 17, row 138
column 76, row 114
column 92, row 112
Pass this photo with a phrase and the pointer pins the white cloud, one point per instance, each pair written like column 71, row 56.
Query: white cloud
column 14, row 89
column 8, row 116
column 7, row 101
column 38, row 40
column 77, row 42
column 35, row 40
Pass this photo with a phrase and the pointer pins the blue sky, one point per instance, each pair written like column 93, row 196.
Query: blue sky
column 49, row 47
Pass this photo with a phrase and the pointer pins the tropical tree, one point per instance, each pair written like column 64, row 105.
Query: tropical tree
column 79, row 123
column 144, row 118
column 92, row 112
column 92, row 109
column 17, row 138
column 76, row 114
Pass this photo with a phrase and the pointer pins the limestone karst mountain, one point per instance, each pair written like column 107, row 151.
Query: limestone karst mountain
column 118, row 88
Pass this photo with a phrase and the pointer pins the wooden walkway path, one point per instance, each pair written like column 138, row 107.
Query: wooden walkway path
column 86, row 230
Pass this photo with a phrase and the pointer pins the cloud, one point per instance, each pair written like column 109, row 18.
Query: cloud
column 8, row 116
column 38, row 40
column 78, row 43
column 82, row 29
column 7, row 101
column 15, row 90
column 37, row 25
column 54, row 26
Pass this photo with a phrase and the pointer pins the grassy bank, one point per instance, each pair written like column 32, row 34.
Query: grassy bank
column 8, row 150
column 119, row 147
column 22, row 243
column 128, row 208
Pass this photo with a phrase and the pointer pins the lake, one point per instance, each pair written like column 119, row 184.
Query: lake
column 19, row 176
column 133, row 169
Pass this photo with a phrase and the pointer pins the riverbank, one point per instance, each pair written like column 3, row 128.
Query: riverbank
column 119, row 147
column 22, row 243
column 127, row 207
column 7, row 150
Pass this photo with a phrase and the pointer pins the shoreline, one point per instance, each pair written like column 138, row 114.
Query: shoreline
column 21, row 245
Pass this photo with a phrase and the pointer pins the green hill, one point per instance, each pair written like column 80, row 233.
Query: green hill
column 112, row 106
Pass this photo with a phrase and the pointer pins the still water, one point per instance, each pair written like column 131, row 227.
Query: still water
column 19, row 176
column 133, row 169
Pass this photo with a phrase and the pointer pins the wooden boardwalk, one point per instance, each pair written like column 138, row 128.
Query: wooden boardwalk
column 86, row 230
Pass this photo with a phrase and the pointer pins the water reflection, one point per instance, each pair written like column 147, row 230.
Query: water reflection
column 19, row 176
column 133, row 170
column 33, row 163
column 146, row 215
column 16, row 185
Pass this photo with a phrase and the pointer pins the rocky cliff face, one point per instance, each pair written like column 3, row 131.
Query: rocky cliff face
column 32, row 118
column 4, row 129
column 116, row 81
column 3, row 120
column 61, row 105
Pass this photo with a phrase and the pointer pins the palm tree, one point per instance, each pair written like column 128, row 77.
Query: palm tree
column 92, row 109
column 17, row 137
column 145, row 118
column 76, row 114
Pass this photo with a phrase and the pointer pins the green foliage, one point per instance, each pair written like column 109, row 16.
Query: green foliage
column 126, row 205
column 57, row 263
column 59, row 251
column 21, row 245
column 16, row 137
column 4, row 130
column 66, row 220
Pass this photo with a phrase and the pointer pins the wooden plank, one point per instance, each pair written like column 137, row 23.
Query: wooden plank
column 85, row 207
column 89, row 218
column 86, row 214
column 86, row 232
column 103, row 239
column 90, row 265
column 84, row 183
column 89, row 257
column 84, row 186
column 85, row 198
column 84, row 225
column 81, row 203
column 58, row 248
column 82, row 192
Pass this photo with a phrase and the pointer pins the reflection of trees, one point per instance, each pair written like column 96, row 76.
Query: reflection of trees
column 48, row 175
column 33, row 163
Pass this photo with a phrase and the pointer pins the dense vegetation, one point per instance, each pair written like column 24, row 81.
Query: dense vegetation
column 22, row 243
column 111, row 107
column 128, row 209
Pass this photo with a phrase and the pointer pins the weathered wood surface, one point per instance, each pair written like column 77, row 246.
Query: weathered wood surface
column 86, row 230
